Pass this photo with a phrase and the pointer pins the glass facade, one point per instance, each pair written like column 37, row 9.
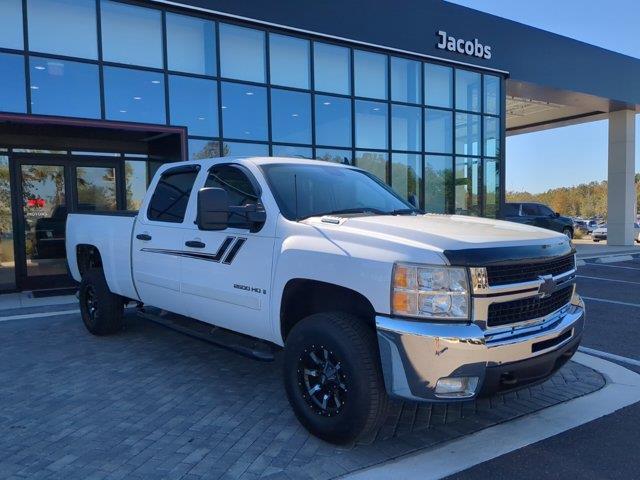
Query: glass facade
column 431, row 130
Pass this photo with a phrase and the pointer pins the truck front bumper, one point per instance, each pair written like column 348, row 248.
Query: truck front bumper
column 444, row 362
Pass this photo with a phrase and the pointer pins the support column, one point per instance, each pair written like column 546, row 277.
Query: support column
column 621, row 194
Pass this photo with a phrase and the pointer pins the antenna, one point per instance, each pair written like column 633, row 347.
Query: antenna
column 295, row 193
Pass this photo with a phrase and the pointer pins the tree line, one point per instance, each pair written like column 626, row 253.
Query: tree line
column 584, row 200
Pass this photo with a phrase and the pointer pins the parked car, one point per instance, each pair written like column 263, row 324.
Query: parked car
column 368, row 297
column 538, row 215
column 580, row 226
column 591, row 226
column 600, row 233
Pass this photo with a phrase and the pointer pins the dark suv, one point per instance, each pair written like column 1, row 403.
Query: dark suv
column 538, row 215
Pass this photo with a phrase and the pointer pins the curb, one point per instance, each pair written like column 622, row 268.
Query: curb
column 612, row 258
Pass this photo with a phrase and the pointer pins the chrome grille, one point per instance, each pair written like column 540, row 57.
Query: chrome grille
column 524, row 309
column 526, row 272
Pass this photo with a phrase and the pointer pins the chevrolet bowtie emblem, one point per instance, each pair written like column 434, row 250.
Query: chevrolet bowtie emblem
column 547, row 287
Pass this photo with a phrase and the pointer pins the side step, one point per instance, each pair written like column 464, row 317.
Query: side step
column 221, row 337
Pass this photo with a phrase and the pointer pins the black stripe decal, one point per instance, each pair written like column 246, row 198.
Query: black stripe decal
column 234, row 250
column 223, row 248
column 195, row 255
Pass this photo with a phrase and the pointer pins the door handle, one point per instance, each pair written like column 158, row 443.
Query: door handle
column 143, row 236
column 195, row 244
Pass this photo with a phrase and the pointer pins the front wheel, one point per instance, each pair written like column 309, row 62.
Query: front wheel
column 568, row 232
column 333, row 377
column 100, row 309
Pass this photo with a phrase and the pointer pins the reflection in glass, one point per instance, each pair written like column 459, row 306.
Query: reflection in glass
column 491, row 188
column 290, row 151
column 373, row 162
column 370, row 74
column 45, row 215
column 244, row 111
column 438, row 183
column 492, row 94
column 11, row 34
column 12, row 93
column 466, row 186
column 242, row 53
column 131, row 34
column 406, row 128
column 331, row 67
column 96, row 187
column 438, row 85
column 467, row 134
column 63, row 27
column 134, row 95
column 289, row 60
column 7, row 259
column 199, row 149
column 405, row 80
column 333, row 121
column 491, row 136
column 245, row 149
column 60, row 87
column 136, row 176
column 406, row 176
column 191, row 44
column 467, row 90
column 335, row 155
column 193, row 102
column 371, row 124
column 290, row 116
column 438, row 131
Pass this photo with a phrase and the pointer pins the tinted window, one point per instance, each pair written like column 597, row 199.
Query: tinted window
column 64, row 27
column 438, row 184
column 12, row 93
column 325, row 189
column 438, row 131
column 60, row 87
column 245, row 149
column 136, row 175
column 491, row 94
column 406, row 128
column 467, row 186
column 491, row 136
column 238, row 187
column 194, row 104
column 242, row 53
column 405, row 80
column 239, row 99
column 373, row 162
column 371, row 124
column 331, row 66
column 131, row 34
column 199, row 149
column 333, row 121
column 438, row 86
column 291, row 151
column 11, row 34
column 171, row 196
column 467, row 134
column 334, row 155
column 290, row 116
column 511, row 209
column 134, row 95
column 406, row 176
column 530, row 209
column 544, row 210
column 370, row 74
column 289, row 60
column 467, row 90
column 191, row 44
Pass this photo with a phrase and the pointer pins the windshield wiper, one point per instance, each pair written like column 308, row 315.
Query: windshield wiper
column 345, row 211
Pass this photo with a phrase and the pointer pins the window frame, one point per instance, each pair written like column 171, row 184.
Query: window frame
column 173, row 171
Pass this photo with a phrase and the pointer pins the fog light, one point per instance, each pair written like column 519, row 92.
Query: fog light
column 456, row 387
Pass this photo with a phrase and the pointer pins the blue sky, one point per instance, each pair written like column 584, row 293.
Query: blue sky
column 578, row 153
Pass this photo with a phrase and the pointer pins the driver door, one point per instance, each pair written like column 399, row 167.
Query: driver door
column 226, row 274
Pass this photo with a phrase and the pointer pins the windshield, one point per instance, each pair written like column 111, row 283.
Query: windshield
column 324, row 190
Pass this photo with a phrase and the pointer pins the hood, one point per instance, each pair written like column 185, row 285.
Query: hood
column 444, row 232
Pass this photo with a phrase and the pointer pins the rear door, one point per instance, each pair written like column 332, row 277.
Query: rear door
column 530, row 214
column 226, row 274
column 157, row 239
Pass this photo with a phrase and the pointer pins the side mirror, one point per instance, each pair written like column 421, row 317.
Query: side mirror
column 556, row 214
column 213, row 209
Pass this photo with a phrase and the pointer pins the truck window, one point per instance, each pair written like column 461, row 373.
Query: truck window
column 530, row 209
column 511, row 209
column 170, row 198
column 238, row 187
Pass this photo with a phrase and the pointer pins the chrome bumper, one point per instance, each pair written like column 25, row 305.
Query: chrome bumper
column 416, row 354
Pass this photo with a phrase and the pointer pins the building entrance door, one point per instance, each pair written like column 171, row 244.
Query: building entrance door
column 47, row 190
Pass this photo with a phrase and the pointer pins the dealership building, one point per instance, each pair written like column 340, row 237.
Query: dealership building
column 95, row 94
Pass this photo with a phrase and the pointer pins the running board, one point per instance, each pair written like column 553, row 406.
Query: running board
column 221, row 337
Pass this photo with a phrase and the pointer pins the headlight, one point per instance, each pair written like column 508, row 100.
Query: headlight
column 425, row 291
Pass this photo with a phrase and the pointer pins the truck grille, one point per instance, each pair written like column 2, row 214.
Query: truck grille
column 506, row 274
column 527, row 308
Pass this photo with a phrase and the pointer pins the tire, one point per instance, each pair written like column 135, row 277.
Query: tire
column 568, row 232
column 357, row 382
column 100, row 309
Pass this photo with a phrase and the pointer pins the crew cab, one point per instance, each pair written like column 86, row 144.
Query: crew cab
column 538, row 215
column 369, row 298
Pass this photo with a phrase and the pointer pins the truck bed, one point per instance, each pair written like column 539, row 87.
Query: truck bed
column 111, row 234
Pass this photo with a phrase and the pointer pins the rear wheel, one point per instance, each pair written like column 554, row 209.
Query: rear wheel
column 333, row 377
column 100, row 309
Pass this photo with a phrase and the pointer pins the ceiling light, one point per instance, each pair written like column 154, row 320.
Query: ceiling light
column 295, row 115
column 39, row 67
column 248, row 93
column 377, row 109
column 155, row 82
column 326, row 103
column 35, row 87
column 123, row 111
column 137, row 98
column 224, row 106
column 200, row 118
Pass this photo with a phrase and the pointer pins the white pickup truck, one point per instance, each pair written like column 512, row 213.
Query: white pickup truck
column 370, row 298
